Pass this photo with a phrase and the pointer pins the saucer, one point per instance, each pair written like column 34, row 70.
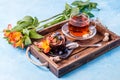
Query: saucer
column 92, row 32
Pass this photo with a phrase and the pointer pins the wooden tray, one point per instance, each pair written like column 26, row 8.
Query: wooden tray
column 79, row 56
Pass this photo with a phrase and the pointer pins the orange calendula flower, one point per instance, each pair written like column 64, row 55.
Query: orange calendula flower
column 44, row 45
column 15, row 38
column 19, row 44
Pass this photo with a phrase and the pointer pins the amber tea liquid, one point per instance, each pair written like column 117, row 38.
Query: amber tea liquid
column 79, row 25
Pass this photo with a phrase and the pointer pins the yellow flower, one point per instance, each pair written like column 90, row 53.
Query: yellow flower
column 15, row 38
column 19, row 44
column 44, row 45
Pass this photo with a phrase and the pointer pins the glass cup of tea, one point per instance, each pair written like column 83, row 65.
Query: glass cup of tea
column 79, row 27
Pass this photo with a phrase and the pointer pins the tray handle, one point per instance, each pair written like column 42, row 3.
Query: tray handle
column 32, row 61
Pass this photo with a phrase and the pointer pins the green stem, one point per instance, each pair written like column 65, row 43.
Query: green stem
column 41, row 26
column 50, row 18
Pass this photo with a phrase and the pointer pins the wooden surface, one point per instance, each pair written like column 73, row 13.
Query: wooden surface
column 80, row 55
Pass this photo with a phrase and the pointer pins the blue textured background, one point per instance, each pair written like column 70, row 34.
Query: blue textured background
column 13, row 62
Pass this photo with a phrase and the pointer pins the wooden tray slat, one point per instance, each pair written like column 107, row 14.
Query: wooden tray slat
column 98, row 37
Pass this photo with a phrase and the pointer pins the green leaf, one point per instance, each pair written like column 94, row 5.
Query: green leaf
column 31, row 27
column 67, row 6
column 33, row 34
column 67, row 11
column 17, row 28
column 93, row 5
column 76, row 3
column 24, row 23
column 75, row 11
column 27, row 41
column 35, row 22
column 26, row 32
column 28, row 19
column 20, row 26
column 90, row 14
column 19, row 22
column 80, row 3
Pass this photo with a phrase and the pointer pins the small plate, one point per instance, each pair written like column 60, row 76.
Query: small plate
column 92, row 32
